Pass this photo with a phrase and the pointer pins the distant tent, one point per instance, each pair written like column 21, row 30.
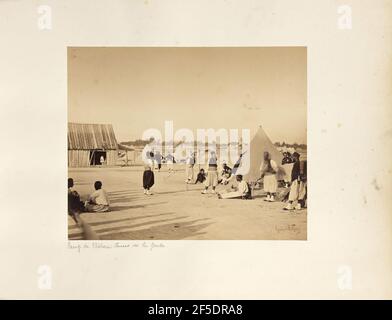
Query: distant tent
column 254, row 154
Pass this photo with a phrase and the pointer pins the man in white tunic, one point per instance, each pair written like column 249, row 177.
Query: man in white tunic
column 242, row 191
column 98, row 201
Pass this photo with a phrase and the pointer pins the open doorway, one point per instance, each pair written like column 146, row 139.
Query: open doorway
column 95, row 157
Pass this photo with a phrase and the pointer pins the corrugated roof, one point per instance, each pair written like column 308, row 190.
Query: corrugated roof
column 91, row 136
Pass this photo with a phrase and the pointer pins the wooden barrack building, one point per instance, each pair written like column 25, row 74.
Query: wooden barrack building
column 87, row 143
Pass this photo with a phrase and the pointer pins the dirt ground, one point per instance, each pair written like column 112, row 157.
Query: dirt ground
column 179, row 211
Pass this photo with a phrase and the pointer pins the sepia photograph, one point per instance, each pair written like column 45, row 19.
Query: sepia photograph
column 262, row 128
column 187, row 143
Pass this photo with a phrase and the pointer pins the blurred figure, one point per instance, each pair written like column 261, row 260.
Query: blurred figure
column 303, row 193
column 287, row 166
column 237, row 165
column 158, row 160
column 170, row 162
column 201, row 176
column 189, row 164
column 75, row 206
column 226, row 174
column 268, row 170
column 286, row 158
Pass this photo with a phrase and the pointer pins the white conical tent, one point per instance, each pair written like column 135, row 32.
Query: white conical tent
column 253, row 155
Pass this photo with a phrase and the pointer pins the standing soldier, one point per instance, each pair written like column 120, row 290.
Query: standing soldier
column 212, row 173
column 189, row 164
column 268, row 170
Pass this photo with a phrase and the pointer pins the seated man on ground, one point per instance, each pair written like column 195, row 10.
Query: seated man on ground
column 98, row 201
column 226, row 174
column 75, row 206
column 201, row 176
column 243, row 190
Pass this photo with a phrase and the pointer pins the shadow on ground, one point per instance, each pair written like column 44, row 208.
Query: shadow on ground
column 168, row 231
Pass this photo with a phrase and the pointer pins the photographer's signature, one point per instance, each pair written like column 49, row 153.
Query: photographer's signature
column 287, row 227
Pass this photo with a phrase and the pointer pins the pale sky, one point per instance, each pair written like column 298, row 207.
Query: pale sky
column 139, row 88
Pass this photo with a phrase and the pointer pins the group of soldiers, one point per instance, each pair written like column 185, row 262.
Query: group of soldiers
column 295, row 182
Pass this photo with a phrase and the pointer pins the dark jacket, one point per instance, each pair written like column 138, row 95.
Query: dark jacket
column 74, row 203
column 296, row 171
column 201, row 177
column 148, row 179
column 286, row 160
column 226, row 170
column 304, row 170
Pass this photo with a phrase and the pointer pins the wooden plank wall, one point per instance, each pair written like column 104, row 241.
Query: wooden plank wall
column 78, row 158
column 111, row 157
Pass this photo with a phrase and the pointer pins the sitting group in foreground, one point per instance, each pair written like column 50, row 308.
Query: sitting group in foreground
column 295, row 185
column 97, row 201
